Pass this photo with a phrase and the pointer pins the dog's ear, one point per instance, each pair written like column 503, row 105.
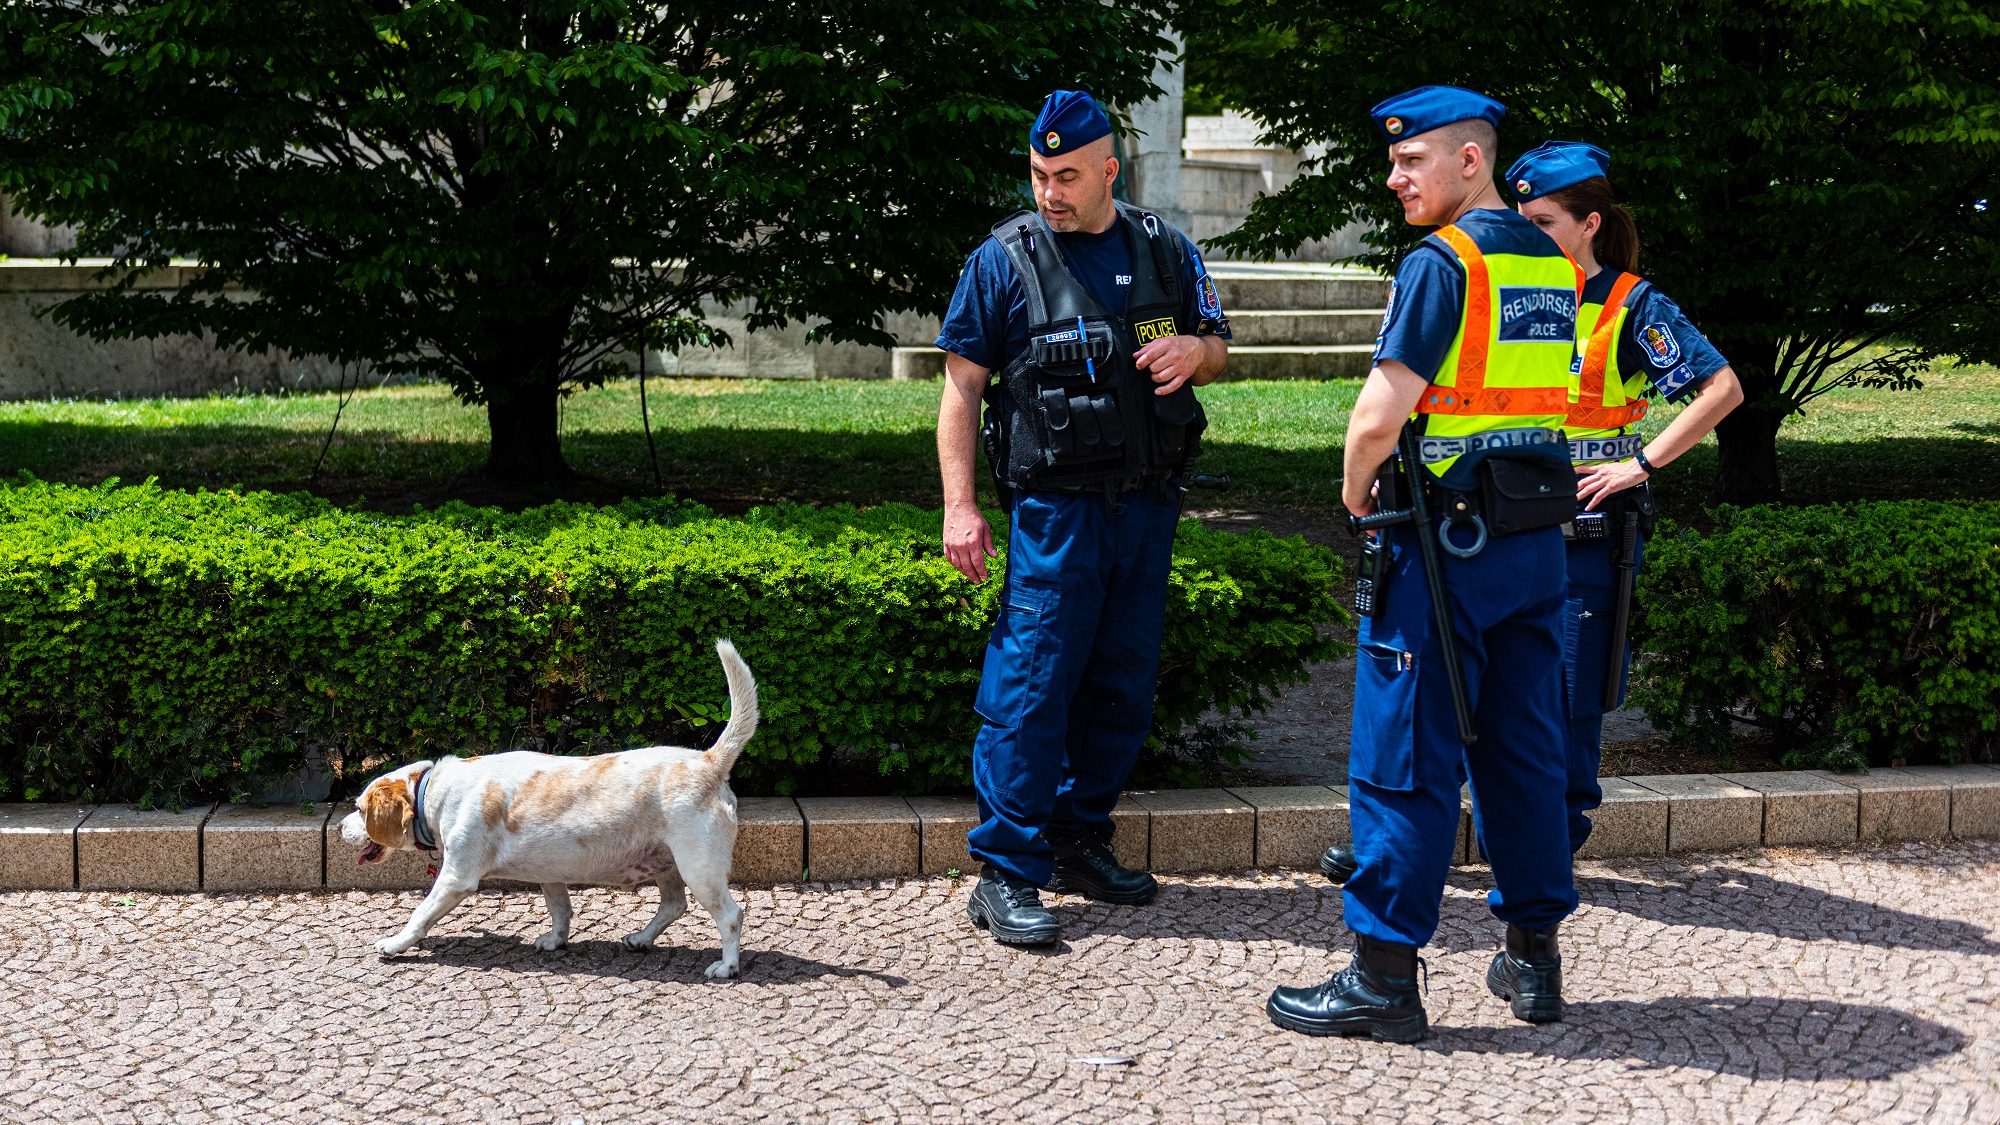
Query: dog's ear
column 389, row 814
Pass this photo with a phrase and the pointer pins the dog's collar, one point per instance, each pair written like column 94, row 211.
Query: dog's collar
column 425, row 840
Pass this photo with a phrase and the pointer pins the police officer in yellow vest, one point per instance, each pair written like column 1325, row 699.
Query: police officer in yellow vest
column 1475, row 357
column 1635, row 342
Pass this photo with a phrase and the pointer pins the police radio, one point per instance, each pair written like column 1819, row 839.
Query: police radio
column 1368, row 576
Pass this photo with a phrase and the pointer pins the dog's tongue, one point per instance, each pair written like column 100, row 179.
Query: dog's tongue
column 369, row 854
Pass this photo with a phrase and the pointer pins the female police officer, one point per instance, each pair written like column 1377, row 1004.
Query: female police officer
column 1633, row 341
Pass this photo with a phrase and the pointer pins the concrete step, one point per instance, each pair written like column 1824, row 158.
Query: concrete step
column 1327, row 361
column 1276, row 286
column 1305, row 326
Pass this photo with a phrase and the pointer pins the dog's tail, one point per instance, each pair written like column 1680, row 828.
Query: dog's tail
column 742, row 711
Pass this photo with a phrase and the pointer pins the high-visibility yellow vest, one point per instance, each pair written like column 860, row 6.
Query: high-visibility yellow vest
column 1510, row 367
column 1608, row 401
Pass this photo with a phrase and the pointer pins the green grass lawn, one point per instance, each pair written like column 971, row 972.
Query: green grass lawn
column 732, row 443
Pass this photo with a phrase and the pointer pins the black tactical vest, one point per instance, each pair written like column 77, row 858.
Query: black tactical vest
column 1071, row 412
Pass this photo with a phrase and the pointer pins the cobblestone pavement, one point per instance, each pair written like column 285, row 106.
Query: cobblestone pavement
column 1859, row 985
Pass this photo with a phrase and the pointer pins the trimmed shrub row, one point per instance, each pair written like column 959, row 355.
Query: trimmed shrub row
column 170, row 646
column 1859, row 633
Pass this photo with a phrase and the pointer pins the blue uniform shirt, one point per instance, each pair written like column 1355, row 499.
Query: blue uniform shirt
column 1659, row 339
column 987, row 322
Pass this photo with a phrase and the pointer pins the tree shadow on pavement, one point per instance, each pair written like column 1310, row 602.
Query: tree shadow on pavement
column 1761, row 1037
column 666, row 962
column 1730, row 898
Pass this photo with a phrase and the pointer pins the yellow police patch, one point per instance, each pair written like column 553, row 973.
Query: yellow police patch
column 1150, row 330
column 1394, row 126
column 1054, row 140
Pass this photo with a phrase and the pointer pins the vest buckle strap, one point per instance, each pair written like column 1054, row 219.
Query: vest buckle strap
column 1618, row 448
column 1435, row 449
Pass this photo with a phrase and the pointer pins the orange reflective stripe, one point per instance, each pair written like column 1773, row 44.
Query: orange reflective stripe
column 1495, row 400
column 1606, row 417
column 1599, row 351
column 1478, row 333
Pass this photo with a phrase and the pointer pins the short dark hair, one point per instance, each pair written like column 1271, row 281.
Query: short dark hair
column 1474, row 131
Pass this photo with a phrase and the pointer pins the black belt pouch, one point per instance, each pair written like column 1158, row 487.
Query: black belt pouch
column 1523, row 494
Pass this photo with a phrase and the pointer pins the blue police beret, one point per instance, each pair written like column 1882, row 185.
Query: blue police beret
column 1555, row 165
column 1069, row 120
column 1432, row 107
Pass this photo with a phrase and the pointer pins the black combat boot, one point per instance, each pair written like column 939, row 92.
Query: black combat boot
column 1338, row 864
column 1011, row 909
column 1085, row 866
column 1375, row 995
column 1529, row 973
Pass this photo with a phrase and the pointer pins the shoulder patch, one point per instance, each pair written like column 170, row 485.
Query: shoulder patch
column 1206, row 301
column 1662, row 350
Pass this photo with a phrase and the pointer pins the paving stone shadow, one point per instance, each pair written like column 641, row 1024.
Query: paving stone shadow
column 1730, row 898
column 1295, row 911
column 664, row 962
column 1760, row 1037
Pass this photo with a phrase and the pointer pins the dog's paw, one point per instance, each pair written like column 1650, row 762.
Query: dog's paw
column 390, row 947
column 551, row 941
column 721, row 970
column 637, row 941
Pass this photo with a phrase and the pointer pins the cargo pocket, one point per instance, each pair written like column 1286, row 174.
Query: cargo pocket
column 1382, row 749
column 1013, row 671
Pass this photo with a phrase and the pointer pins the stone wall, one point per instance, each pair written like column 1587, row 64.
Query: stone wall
column 40, row 359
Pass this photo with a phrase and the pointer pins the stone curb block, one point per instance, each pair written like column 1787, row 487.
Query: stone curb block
column 860, row 837
column 1706, row 813
column 942, row 823
column 1132, row 836
column 1898, row 806
column 1295, row 823
column 126, row 848
column 770, row 841
column 401, row 871
column 1975, row 797
column 1631, row 821
column 268, row 848
column 1198, row 829
column 1800, row 808
column 245, row 848
column 38, row 846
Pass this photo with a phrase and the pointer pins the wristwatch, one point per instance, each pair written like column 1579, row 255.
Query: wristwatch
column 1640, row 457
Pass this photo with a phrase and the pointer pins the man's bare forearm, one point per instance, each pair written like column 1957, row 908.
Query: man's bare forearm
column 958, row 429
column 1214, row 360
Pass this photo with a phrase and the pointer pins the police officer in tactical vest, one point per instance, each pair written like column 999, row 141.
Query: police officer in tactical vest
column 1460, row 661
column 1081, row 327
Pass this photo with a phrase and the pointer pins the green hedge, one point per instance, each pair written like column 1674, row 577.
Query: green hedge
column 1860, row 633
column 172, row 646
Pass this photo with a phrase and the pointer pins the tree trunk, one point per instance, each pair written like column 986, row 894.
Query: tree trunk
column 1747, row 437
column 1747, row 453
column 526, row 448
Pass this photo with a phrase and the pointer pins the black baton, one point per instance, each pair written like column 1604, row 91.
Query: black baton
column 1627, row 562
column 1418, row 514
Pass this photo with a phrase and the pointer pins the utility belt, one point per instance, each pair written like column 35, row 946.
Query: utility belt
column 1633, row 503
column 1521, row 481
column 1624, row 447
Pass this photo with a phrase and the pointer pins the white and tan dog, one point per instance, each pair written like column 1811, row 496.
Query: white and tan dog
column 663, row 814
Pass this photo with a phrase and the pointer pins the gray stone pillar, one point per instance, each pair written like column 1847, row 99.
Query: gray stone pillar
column 1155, row 153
